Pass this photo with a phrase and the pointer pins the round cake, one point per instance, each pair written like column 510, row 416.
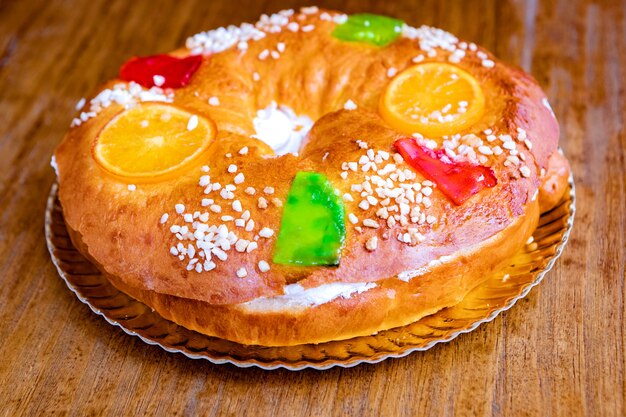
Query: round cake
column 311, row 177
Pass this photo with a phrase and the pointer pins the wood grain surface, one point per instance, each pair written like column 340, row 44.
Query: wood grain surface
column 559, row 352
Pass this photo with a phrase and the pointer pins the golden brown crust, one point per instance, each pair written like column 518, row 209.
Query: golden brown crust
column 392, row 303
column 120, row 229
column 554, row 181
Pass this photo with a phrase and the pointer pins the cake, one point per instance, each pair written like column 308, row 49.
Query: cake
column 311, row 177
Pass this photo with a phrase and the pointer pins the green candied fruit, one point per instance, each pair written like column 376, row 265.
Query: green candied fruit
column 370, row 28
column 313, row 225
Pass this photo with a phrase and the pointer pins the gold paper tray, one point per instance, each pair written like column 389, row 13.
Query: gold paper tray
column 483, row 304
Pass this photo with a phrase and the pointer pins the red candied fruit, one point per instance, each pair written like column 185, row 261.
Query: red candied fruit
column 458, row 181
column 176, row 72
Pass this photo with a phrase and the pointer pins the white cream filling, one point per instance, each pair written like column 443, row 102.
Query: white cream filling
column 547, row 105
column 406, row 276
column 53, row 164
column 281, row 128
column 297, row 297
column 535, row 195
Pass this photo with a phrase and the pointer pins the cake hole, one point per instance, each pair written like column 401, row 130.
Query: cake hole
column 281, row 128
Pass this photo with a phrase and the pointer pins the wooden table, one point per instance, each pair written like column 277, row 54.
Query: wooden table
column 560, row 351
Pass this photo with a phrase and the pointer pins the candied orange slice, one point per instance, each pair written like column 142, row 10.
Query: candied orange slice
column 433, row 99
column 152, row 142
